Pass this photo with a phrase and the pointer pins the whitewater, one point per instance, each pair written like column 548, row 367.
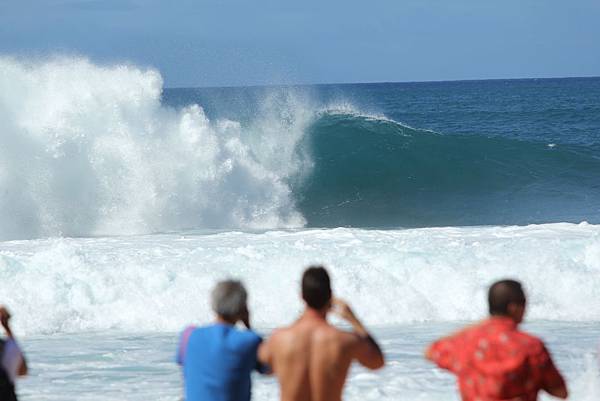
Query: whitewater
column 121, row 205
column 88, row 150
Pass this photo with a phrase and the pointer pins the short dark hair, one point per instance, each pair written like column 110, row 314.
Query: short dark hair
column 316, row 287
column 503, row 293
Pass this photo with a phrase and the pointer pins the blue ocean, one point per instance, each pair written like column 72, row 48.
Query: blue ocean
column 122, row 202
column 494, row 152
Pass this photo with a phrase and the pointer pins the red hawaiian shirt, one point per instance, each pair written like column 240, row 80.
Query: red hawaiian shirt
column 494, row 361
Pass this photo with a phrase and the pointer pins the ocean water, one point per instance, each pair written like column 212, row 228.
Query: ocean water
column 122, row 203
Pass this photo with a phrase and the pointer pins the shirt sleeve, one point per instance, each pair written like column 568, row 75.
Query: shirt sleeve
column 444, row 353
column 261, row 367
column 183, row 343
column 549, row 376
column 12, row 358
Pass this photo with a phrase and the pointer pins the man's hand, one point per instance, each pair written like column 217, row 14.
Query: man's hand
column 4, row 318
column 429, row 353
column 245, row 318
column 559, row 392
column 343, row 310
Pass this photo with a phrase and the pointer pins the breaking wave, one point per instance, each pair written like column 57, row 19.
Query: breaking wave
column 162, row 282
column 370, row 171
column 90, row 150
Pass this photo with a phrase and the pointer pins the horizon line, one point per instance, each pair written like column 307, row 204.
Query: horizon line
column 379, row 82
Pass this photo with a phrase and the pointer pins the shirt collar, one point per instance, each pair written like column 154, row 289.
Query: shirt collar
column 503, row 321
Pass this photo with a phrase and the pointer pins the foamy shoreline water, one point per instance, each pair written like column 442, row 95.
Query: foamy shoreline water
column 115, row 365
column 98, row 317
column 160, row 282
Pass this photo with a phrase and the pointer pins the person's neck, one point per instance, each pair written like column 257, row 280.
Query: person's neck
column 506, row 318
column 221, row 320
column 319, row 314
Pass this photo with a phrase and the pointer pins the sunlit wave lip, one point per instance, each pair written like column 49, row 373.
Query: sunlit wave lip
column 358, row 115
column 348, row 110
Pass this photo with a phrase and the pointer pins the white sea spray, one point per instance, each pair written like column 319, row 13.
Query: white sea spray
column 87, row 149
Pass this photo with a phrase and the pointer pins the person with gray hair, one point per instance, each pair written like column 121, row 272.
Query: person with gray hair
column 217, row 359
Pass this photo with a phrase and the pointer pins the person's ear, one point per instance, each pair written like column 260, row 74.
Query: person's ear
column 516, row 311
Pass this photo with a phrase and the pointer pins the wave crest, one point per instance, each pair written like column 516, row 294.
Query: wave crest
column 371, row 171
column 90, row 150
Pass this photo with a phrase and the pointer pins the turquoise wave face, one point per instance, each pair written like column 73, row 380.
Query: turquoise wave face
column 374, row 172
column 503, row 151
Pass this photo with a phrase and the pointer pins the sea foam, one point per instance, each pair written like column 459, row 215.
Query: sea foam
column 90, row 150
column 162, row 282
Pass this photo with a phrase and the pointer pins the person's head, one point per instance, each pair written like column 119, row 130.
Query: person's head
column 507, row 298
column 316, row 288
column 229, row 300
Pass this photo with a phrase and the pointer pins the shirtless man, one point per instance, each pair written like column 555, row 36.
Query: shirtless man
column 311, row 358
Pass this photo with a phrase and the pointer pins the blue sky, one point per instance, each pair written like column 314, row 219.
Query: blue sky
column 246, row 42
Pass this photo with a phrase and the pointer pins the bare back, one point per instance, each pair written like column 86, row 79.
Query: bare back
column 311, row 359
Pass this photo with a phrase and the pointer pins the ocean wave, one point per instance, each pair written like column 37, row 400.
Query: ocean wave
column 90, row 150
column 371, row 171
column 162, row 282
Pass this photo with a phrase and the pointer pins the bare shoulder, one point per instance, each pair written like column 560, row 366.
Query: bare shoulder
column 270, row 345
column 279, row 333
column 289, row 333
column 345, row 337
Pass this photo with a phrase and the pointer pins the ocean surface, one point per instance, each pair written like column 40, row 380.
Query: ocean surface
column 122, row 202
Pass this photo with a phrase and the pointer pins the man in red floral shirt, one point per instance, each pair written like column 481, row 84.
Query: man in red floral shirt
column 493, row 360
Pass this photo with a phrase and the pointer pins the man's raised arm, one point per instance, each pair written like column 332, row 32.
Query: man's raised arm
column 368, row 352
